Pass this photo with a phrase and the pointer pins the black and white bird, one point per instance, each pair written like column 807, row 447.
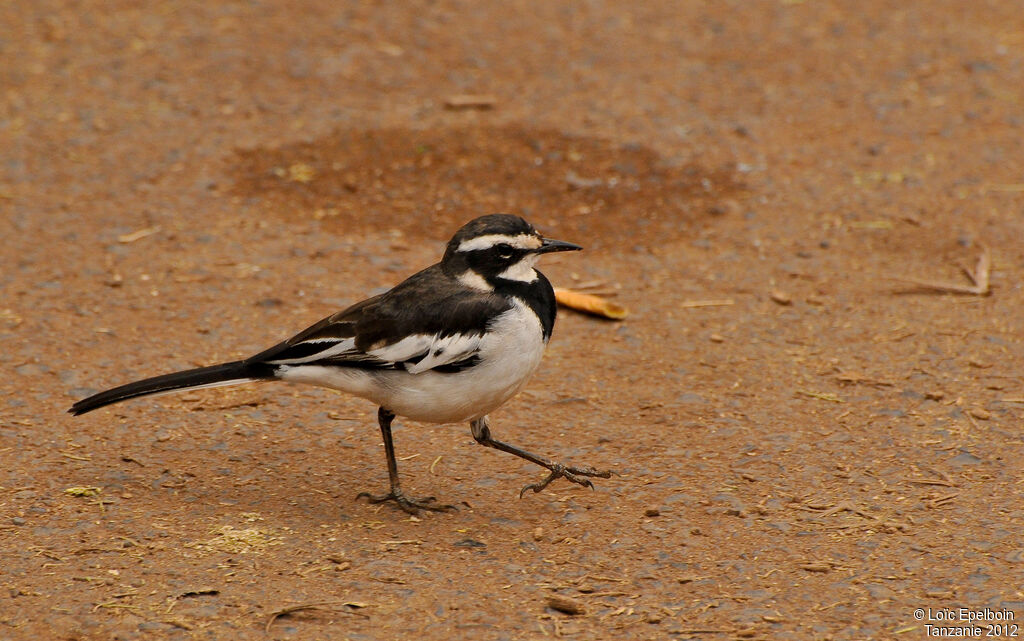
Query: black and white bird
column 449, row 344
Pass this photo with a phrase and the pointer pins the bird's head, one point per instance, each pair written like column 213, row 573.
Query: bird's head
column 495, row 248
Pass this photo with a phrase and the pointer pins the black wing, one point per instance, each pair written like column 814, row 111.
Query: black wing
column 428, row 322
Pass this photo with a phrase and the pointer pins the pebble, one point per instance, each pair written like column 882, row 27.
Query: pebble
column 781, row 297
column 17, row 520
column 652, row 511
column 980, row 414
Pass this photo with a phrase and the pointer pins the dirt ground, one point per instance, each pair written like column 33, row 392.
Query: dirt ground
column 807, row 446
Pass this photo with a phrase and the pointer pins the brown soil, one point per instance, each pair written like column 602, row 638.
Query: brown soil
column 822, row 453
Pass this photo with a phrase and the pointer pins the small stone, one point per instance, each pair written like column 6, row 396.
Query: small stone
column 716, row 338
column 980, row 414
column 652, row 511
column 538, row 534
column 728, row 206
column 653, row 618
column 17, row 520
column 964, row 458
column 937, row 395
column 781, row 297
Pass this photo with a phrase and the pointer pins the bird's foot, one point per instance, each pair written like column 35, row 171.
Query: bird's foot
column 408, row 504
column 572, row 473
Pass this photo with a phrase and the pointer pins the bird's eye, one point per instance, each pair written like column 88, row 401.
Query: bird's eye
column 504, row 250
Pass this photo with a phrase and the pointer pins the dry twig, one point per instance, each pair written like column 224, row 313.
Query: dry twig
column 320, row 605
column 979, row 276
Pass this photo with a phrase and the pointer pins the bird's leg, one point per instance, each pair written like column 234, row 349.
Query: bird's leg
column 482, row 434
column 410, row 505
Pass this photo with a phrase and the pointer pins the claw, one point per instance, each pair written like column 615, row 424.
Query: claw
column 408, row 504
column 571, row 473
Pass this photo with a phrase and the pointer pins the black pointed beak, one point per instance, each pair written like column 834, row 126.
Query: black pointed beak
column 551, row 245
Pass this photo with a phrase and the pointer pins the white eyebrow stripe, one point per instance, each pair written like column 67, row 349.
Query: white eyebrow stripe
column 520, row 241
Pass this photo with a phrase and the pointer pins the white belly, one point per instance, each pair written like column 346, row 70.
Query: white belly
column 509, row 354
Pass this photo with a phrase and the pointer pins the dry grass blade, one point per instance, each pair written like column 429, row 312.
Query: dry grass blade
column 979, row 277
column 137, row 235
column 690, row 304
column 590, row 304
column 319, row 605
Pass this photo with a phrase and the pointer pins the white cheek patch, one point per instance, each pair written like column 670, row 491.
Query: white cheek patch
column 522, row 271
column 470, row 278
column 520, row 241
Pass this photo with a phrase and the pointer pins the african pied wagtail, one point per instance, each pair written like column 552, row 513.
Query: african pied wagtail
column 449, row 344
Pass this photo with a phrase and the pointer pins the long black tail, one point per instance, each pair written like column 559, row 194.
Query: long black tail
column 213, row 376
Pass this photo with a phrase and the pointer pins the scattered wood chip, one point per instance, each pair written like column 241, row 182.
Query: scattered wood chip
column 854, row 378
column 832, row 398
column 575, row 181
column 979, row 276
column 470, row 101
column 590, row 304
column 816, row 566
column 390, row 49
column 84, row 491
column 565, row 604
column 137, row 235
column 938, row 594
column 941, row 501
column 689, row 578
column 199, row 592
column 941, row 482
column 1011, row 188
column 300, row 172
column 707, row 303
